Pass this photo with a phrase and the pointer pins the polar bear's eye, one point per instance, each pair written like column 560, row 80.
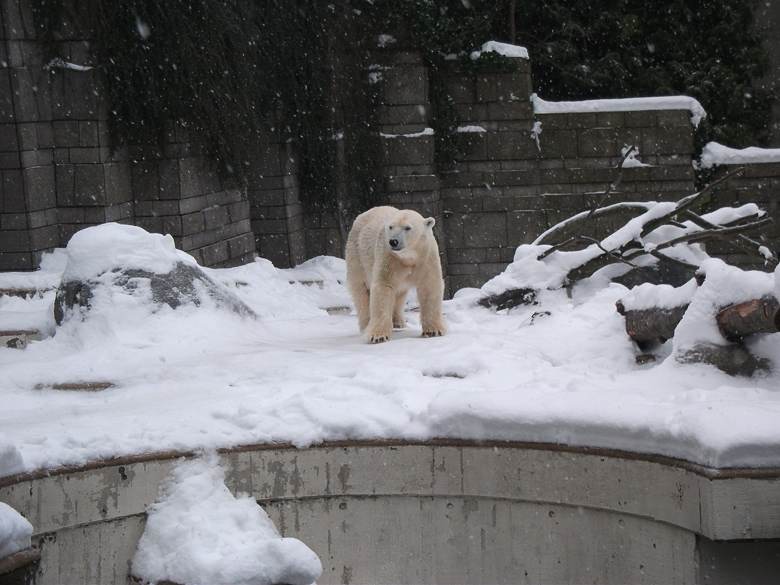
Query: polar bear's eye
column 408, row 228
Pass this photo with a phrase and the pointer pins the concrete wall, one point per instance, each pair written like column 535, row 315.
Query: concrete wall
column 450, row 512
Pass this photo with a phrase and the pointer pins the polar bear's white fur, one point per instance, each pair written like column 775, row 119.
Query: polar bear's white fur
column 388, row 252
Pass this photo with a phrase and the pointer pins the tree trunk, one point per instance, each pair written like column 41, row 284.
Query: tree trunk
column 756, row 316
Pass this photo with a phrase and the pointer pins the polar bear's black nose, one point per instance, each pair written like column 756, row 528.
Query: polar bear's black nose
column 394, row 243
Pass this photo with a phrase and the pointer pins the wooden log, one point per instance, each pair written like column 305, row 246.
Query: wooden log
column 654, row 324
column 756, row 316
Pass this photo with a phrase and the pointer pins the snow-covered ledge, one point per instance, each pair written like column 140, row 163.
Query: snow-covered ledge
column 679, row 102
column 715, row 154
column 436, row 512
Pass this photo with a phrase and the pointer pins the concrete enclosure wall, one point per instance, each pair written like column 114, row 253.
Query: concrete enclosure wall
column 519, row 173
column 438, row 513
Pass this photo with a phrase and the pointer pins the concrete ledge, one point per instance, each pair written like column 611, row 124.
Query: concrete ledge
column 433, row 512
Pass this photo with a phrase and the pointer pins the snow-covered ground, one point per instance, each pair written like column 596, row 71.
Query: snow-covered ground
column 200, row 377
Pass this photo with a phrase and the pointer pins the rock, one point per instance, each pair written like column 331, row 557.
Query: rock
column 184, row 284
column 732, row 359
column 660, row 272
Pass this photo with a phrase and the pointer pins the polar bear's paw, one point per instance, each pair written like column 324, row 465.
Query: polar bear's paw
column 433, row 333
column 378, row 338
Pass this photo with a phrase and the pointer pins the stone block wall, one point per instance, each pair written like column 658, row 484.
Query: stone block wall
column 524, row 170
column 61, row 173
column 277, row 220
column 411, row 177
column 759, row 183
column 523, row 167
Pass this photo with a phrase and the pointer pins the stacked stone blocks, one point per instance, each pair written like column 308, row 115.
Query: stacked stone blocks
column 521, row 170
column 61, row 172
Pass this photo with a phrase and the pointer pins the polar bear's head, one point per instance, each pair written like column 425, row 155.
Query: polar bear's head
column 407, row 233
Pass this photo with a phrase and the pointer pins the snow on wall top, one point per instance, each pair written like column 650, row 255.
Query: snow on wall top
column 504, row 49
column 717, row 154
column 679, row 102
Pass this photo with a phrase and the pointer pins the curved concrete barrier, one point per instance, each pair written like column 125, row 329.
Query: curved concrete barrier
column 438, row 512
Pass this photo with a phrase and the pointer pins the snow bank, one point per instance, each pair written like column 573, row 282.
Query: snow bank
column 717, row 154
column 15, row 531
column 622, row 105
column 10, row 458
column 199, row 533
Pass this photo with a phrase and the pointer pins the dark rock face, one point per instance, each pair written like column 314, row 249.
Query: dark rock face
column 661, row 272
column 732, row 359
column 185, row 284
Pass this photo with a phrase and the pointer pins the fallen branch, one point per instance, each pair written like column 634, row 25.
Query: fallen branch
column 739, row 240
column 560, row 229
column 686, row 203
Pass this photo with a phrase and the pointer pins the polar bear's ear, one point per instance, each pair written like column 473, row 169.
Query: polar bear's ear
column 430, row 222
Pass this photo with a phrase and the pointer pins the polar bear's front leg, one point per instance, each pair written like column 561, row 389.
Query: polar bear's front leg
column 362, row 305
column 399, row 321
column 380, row 326
column 430, row 297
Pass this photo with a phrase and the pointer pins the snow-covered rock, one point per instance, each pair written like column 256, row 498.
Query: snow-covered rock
column 112, row 260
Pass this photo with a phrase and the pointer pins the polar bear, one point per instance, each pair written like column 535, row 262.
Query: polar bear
column 388, row 252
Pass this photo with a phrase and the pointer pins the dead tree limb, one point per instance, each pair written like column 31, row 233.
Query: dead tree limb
column 756, row 316
column 740, row 241
column 712, row 234
column 688, row 202
column 633, row 249
column 634, row 209
column 579, row 221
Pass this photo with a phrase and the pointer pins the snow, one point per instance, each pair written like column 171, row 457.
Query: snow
column 723, row 285
column 631, row 162
column 717, row 154
column 203, row 377
column 106, row 246
column 15, row 531
column 504, row 49
column 622, row 105
column 425, row 132
column 199, row 533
